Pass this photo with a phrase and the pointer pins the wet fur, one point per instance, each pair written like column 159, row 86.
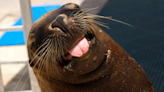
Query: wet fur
column 114, row 70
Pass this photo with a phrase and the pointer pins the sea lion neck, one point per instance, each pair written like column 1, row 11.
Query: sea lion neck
column 89, row 66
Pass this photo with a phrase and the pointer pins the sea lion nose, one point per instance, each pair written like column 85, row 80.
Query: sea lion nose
column 60, row 22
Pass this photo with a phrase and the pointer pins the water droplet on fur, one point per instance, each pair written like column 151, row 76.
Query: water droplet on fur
column 103, row 76
column 70, row 65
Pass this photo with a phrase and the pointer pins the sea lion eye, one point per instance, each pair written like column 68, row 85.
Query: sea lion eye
column 32, row 45
column 77, row 7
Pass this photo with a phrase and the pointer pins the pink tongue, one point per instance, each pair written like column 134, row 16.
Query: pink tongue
column 80, row 48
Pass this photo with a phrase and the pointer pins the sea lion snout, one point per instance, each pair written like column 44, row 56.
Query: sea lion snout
column 59, row 25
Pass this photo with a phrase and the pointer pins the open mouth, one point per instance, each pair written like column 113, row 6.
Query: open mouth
column 80, row 48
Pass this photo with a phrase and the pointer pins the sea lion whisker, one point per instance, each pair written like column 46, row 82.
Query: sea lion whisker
column 48, row 54
column 73, row 12
column 36, row 56
column 40, row 66
column 26, row 81
column 56, row 45
column 110, row 18
column 42, row 54
column 37, row 62
column 66, row 44
column 89, row 9
column 39, row 49
column 78, row 12
column 86, row 10
column 60, row 50
column 50, row 57
column 20, row 78
column 42, row 63
column 80, row 15
column 54, row 62
column 60, row 43
column 81, row 21
column 44, row 50
column 43, row 43
column 23, row 74
column 92, row 27
column 100, row 23
column 36, row 52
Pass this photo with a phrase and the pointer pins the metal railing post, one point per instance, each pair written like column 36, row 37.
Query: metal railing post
column 1, row 82
column 27, row 24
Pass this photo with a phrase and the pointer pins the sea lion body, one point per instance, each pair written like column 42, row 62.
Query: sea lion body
column 105, row 67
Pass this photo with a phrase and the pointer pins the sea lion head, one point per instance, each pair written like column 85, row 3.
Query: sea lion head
column 55, row 35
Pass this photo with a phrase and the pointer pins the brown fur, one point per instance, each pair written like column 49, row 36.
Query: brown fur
column 106, row 67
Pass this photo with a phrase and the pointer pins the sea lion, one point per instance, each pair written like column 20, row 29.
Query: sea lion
column 70, row 53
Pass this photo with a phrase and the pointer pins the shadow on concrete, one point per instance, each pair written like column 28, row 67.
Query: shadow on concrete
column 12, row 84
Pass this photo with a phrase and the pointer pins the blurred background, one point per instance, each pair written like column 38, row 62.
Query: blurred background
column 144, row 41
